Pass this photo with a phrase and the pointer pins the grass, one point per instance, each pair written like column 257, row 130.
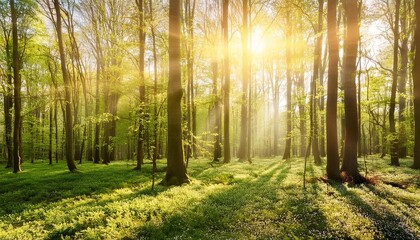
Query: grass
column 263, row 200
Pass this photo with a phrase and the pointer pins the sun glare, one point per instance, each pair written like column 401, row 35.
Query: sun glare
column 258, row 42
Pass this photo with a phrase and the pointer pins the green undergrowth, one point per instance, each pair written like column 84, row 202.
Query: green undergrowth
column 262, row 200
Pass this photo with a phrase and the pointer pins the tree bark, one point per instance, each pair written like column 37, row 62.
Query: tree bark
column 394, row 137
column 302, row 113
column 17, row 128
column 402, row 136
column 226, row 93
column 155, row 93
column 142, row 88
column 68, row 116
column 243, row 144
column 217, row 153
column 317, row 61
column 333, row 163
column 176, row 173
column 8, row 103
column 416, row 89
column 350, row 99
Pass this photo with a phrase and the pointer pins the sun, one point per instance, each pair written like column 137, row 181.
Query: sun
column 258, row 44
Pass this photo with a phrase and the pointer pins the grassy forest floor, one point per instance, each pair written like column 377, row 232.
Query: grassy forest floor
column 262, row 200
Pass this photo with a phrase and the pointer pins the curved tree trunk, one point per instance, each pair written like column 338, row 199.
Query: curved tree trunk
column 68, row 116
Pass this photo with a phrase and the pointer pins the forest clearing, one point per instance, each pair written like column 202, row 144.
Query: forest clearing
column 262, row 200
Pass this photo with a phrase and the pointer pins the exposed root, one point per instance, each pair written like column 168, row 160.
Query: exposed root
column 395, row 184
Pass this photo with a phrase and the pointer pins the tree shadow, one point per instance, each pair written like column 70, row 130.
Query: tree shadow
column 44, row 185
column 258, row 208
column 387, row 224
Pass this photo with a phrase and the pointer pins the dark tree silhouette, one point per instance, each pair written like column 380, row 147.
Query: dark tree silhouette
column 176, row 173
column 416, row 88
column 333, row 164
column 17, row 81
column 351, row 40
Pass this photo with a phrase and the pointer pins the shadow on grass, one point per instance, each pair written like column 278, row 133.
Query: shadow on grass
column 387, row 224
column 258, row 208
column 39, row 184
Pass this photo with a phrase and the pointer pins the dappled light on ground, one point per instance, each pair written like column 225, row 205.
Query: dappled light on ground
column 262, row 200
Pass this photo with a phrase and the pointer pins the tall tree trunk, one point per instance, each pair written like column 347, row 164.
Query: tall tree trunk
column 333, row 163
column 99, row 69
column 416, row 89
column 276, row 101
column 226, row 93
column 317, row 61
column 96, row 146
column 155, row 93
column 242, row 152
column 190, row 66
column 302, row 112
column 394, row 137
column 402, row 136
column 288, row 144
column 17, row 141
column 176, row 173
column 68, row 116
column 50, row 135
column 191, row 147
column 142, row 89
column 56, row 127
column 8, row 104
column 323, row 66
column 350, row 100
column 217, row 153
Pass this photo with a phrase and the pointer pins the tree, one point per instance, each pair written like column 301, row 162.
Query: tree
column 243, row 145
column 142, row 89
column 416, row 88
column 287, row 148
column 16, row 64
column 402, row 136
column 67, row 94
column 333, row 164
column 226, row 89
column 394, row 137
column 315, row 79
column 191, row 108
column 351, row 41
column 8, row 85
column 176, row 173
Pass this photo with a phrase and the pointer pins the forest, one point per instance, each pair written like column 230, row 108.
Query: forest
column 210, row 119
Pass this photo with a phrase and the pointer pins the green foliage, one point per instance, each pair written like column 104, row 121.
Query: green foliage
column 264, row 200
